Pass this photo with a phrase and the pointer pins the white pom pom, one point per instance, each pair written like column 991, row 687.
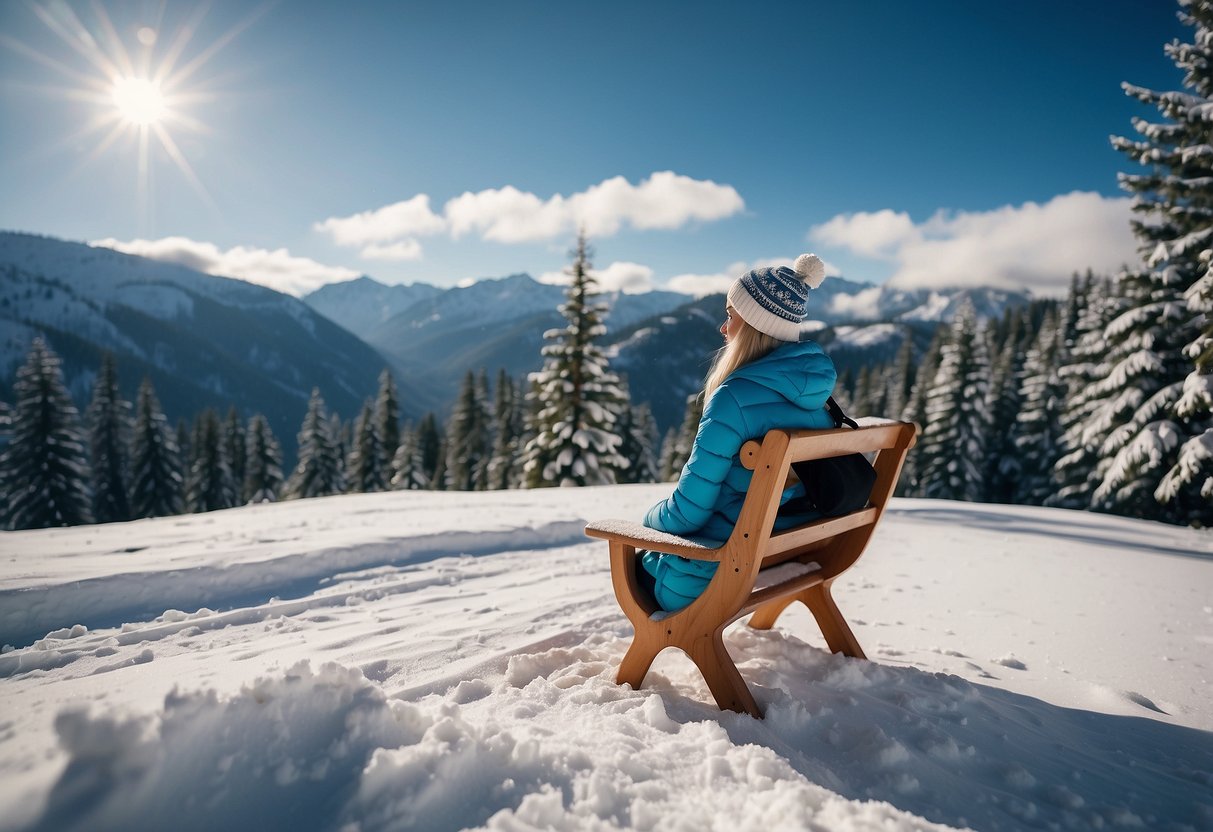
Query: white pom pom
column 811, row 270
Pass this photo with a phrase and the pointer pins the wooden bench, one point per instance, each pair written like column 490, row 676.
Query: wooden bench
column 832, row 544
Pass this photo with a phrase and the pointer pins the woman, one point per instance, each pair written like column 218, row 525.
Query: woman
column 764, row 377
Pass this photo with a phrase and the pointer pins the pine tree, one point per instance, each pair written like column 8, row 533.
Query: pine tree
column 263, row 478
column 1076, row 469
column 438, row 480
column 185, row 453
column 387, row 418
column 956, row 418
column 1073, row 308
column 317, row 473
column 183, row 438
column 44, row 468
column 639, row 432
column 235, row 448
column 910, row 483
column 469, row 442
column 668, row 458
column 900, row 383
column 1155, row 342
column 845, row 389
column 209, row 486
column 529, row 405
column 6, row 424
column 364, row 470
column 1003, row 466
column 431, row 451
column 489, row 430
column 687, row 433
column 1189, row 483
column 1038, row 430
column 108, row 420
column 580, row 399
column 155, row 479
column 870, row 391
column 503, row 470
column 408, row 466
column 341, row 435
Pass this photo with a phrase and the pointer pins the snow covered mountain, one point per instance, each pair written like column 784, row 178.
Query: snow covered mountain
column 363, row 304
column 445, row 661
column 496, row 323
column 205, row 341
column 841, row 301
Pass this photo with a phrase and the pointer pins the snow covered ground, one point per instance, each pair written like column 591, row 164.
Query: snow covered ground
column 354, row 663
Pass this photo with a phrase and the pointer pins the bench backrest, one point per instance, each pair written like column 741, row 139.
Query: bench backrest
column 753, row 544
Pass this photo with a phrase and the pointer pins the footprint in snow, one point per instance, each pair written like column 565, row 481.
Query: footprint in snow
column 1010, row 661
column 1140, row 699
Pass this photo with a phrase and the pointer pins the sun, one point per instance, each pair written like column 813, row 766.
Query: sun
column 140, row 101
column 140, row 77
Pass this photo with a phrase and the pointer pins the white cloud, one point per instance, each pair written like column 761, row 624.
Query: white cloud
column 507, row 215
column 620, row 276
column 409, row 218
column 863, row 304
column 878, row 234
column 1031, row 246
column 403, row 250
column 666, row 200
column 277, row 269
column 707, row 284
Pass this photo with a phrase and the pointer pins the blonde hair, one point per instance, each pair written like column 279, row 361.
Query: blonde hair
column 747, row 345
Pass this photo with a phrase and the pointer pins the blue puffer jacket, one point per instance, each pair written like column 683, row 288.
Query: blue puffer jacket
column 786, row 389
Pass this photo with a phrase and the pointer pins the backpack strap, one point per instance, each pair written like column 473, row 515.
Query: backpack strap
column 838, row 416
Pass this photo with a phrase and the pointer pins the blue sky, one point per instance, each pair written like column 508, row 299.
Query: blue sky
column 927, row 142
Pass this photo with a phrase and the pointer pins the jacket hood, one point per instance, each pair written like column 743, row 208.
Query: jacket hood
column 800, row 372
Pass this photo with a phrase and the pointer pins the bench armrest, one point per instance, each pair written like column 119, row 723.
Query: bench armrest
column 642, row 537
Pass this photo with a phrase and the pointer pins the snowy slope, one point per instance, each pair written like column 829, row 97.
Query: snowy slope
column 356, row 663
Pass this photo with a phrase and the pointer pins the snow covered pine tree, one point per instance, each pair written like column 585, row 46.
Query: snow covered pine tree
column 954, row 440
column 469, row 441
column 44, row 467
column 209, row 485
column 108, row 418
column 263, row 467
column 1156, row 420
column 365, row 470
column 318, row 472
column 155, row 465
column 579, row 398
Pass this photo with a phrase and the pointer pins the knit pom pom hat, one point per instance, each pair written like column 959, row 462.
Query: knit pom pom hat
column 774, row 300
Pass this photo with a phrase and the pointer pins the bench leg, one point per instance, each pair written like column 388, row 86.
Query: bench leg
column 764, row 617
column 833, row 626
column 722, row 676
column 636, row 663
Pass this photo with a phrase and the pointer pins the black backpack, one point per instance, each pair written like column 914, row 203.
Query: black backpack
column 837, row 485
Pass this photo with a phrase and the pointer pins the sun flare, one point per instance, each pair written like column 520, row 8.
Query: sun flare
column 139, row 101
column 141, row 76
